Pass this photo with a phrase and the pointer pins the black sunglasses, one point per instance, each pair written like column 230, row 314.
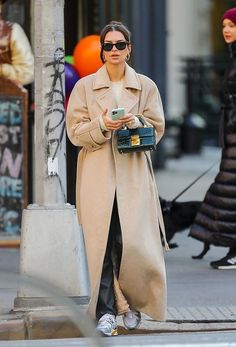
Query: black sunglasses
column 107, row 46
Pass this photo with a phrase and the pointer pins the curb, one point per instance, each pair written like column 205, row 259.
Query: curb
column 12, row 329
column 10, row 243
column 56, row 324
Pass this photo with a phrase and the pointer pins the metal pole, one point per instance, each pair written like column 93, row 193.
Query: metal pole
column 52, row 247
column 50, row 163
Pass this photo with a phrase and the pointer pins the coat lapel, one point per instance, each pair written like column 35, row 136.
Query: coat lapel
column 128, row 100
column 105, row 99
column 129, row 96
column 104, row 95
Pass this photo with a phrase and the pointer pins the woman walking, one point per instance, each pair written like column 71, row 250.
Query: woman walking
column 117, row 200
column 215, row 222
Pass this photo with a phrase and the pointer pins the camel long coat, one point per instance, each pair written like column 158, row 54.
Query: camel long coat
column 101, row 172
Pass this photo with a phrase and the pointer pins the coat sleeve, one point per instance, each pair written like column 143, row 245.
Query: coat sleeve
column 153, row 109
column 81, row 129
column 21, row 68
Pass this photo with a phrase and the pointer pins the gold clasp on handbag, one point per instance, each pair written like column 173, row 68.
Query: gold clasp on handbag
column 135, row 140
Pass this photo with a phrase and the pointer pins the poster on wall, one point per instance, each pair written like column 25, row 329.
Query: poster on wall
column 13, row 163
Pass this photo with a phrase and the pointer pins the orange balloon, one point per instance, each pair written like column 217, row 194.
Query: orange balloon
column 87, row 55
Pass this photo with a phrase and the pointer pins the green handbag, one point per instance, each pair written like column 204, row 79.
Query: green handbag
column 136, row 140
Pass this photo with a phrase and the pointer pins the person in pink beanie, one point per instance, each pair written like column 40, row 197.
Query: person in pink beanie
column 229, row 15
column 215, row 222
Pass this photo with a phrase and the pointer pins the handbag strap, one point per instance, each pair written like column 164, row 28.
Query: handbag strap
column 142, row 120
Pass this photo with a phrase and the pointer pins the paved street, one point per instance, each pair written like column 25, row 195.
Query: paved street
column 176, row 340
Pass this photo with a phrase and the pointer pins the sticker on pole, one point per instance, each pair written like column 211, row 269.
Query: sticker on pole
column 52, row 166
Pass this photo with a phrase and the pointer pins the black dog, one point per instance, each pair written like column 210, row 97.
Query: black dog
column 179, row 216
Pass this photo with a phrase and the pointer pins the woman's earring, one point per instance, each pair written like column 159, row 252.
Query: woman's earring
column 103, row 57
column 127, row 57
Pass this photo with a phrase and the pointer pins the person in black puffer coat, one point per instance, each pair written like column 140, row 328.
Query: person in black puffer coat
column 215, row 222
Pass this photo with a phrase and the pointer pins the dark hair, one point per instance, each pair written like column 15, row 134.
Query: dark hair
column 114, row 26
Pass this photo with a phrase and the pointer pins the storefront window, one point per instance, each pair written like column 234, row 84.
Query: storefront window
column 18, row 11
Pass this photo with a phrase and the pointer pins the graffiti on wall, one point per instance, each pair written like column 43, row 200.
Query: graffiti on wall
column 11, row 159
column 55, row 114
column 55, row 126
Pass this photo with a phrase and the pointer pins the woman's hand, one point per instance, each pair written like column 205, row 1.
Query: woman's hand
column 109, row 123
column 128, row 119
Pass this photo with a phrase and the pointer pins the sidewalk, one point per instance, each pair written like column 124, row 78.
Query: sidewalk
column 200, row 299
column 202, row 285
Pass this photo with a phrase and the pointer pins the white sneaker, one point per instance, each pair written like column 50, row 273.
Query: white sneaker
column 107, row 325
column 132, row 319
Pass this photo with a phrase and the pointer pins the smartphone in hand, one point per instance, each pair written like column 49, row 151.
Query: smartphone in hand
column 117, row 113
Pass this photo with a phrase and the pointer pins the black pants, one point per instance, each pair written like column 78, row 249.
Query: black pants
column 112, row 258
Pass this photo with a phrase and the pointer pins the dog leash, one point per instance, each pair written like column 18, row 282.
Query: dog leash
column 196, row 179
